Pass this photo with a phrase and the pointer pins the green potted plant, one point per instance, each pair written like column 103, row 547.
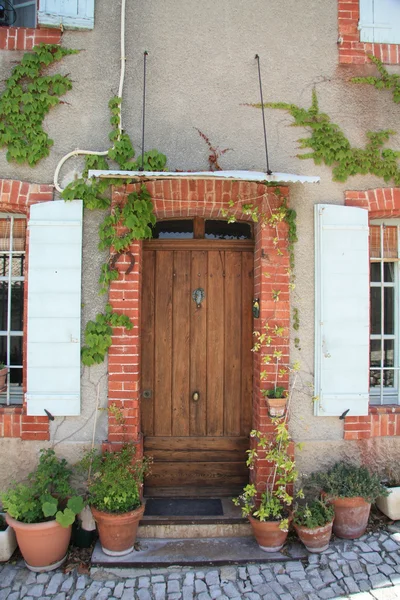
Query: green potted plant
column 390, row 504
column 350, row 489
column 313, row 524
column 268, row 509
column 276, row 400
column 42, row 511
column 115, row 481
column 8, row 542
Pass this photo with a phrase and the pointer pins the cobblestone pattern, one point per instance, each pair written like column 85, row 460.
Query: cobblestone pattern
column 368, row 567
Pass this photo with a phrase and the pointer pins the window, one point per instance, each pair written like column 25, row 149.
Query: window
column 12, row 266
column 18, row 13
column 198, row 228
column 384, row 312
column 380, row 21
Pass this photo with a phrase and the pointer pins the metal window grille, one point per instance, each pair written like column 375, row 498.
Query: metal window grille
column 12, row 266
column 384, row 313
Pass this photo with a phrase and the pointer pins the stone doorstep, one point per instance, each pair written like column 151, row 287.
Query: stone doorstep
column 201, row 551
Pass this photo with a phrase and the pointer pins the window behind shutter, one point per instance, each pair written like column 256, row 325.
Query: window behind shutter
column 380, row 21
column 71, row 14
column 341, row 310
column 54, row 308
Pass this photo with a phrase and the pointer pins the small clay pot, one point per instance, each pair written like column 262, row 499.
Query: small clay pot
column 117, row 532
column 351, row 517
column 276, row 406
column 43, row 545
column 316, row 539
column 268, row 535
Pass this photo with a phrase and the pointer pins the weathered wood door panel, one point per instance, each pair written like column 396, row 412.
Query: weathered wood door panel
column 198, row 442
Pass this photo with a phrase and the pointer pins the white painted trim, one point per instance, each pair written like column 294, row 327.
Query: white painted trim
column 241, row 175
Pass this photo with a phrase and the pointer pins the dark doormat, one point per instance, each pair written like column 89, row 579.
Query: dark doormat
column 183, row 507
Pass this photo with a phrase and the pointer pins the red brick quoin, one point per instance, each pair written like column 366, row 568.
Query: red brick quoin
column 382, row 420
column 351, row 50
column 18, row 197
column 207, row 198
column 24, row 38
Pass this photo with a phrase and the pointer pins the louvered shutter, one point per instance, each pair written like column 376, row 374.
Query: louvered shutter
column 341, row 310
column 54, row 308
column 71, row 14
column 380, row 21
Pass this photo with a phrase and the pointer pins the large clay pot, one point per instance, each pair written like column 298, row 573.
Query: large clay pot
column 43, row 545
column 117, row 532
column 268, row 535
column 351, row 517
column 276, row 406
column 316, row 539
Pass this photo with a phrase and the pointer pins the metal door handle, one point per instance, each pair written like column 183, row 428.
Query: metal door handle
column 195, row 396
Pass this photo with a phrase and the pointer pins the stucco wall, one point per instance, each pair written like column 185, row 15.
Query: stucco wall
column 201, row 71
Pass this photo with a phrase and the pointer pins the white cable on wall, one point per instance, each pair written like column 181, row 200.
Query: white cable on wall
column 78, row 152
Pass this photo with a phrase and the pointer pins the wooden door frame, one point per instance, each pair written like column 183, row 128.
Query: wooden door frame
column 207, row 199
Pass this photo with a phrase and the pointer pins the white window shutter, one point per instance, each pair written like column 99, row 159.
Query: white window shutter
column 71, row 14
column 380, row 21
column 341, row 310
column 54, row 308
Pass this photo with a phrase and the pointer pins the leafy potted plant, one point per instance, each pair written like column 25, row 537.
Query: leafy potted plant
column 313, row 524
column 351, row 490
column 114, row 494
column 8, row 542
column 42, row 511
column 390, row 504
column 268, row 510
column 276, row 400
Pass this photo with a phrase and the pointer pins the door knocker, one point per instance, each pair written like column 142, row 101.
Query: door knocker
column 198, row 296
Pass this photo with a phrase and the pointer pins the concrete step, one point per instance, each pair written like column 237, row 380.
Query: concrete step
column 202, row 551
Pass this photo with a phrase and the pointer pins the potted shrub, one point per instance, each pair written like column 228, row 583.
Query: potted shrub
column 8, row 542
column 268, row 510
column 42, row 511
column 114, row 494
column 390, row 504
column 313, row 524
column 351, row 490
column 276, row 401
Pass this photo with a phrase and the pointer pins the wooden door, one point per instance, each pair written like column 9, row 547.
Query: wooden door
column 197, row 365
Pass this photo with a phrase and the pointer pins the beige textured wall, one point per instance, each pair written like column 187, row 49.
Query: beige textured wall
column 201, row 72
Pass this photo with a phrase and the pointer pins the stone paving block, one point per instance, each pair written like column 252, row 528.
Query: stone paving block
column 67, row 584
column 355, row 566
column 81, row 582
column 360, row 577
column 212, row 578
column 276, row 588
column 143, row 582
column 142, row 594
column 13, row 596
column 283, row 579
column 91, row 592
column 173, row 586
column 317, row 583
column 77, row 595
column 36, row 591
column 257, row 579
column 187, row 593
column 286, row 597
column 253, row 570
column 293, row 566
column 178, row 596
column 351, row 585
column 326, row 594
column 386, row 569
column 296, row 591
column 202, row 596
column 228, row 573
column 215, row 591
column 244, row 586
column 346, row 571
column 54, row 584
column 297, row 575
column 371, row 569
column 338, row 574
column 379, row 580
column 130, row 583
column 279, row 569
column 270, row 596
column 110, row 584
column 31, row 579
column 390, row 545
column 364, row 586
column 7, row 576
column 230, row 590
column 175, row 576
column 103, row 594
column 327, row 576
column 189, row 579
column 119, row 590
column 42, row 577
column 350, row 555
column 4, row 593
column 268, row 575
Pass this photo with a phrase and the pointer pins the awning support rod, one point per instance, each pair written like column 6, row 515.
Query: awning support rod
column 145, row 54
column 269, row 172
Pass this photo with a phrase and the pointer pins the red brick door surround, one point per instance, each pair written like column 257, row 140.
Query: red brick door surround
column 206, row 198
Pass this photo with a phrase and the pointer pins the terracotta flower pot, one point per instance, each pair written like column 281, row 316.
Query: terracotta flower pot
column 268, row 535
column 351, row 517
column 316, row 539
column 276, row 406
column 117, row 532
column 43, row 545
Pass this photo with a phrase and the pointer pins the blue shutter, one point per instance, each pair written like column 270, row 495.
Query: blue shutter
column 71, row 14
column 54, row 308
column 341, row 310
column 380, row 21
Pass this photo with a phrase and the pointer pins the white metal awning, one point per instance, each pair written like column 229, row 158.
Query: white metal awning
column 237, row 175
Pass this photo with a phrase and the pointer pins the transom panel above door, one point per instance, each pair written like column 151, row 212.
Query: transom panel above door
column 197, row 364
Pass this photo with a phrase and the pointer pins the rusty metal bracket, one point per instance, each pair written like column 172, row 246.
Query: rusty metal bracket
column 118, row 255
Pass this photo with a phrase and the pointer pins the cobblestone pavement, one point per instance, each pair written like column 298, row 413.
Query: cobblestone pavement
column 365, row 569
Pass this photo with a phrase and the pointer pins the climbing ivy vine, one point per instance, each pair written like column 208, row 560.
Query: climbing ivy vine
column 126, row 223
column 28, row 97
column 385, row 81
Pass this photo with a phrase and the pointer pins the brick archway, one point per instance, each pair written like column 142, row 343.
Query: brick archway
column 207, row 198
